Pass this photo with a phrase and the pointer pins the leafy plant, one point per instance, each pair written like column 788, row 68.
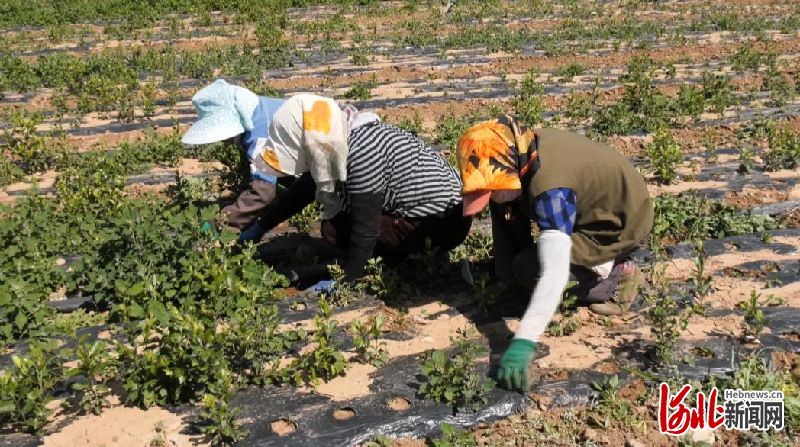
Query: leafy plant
column 610, row 404
column 221, row 428
column 665, row 156
column 454, row 379
column 754, row 320
column 667, row 319
column 360, row 91
column 784, row 149
column 367, row 341
column 27, row 388
column 325, row 361
column 305, row 219
column 703, row 284
column 527, row 102
column 568, row 322
column 23, row 312
column 97, row 367
column 454, row 437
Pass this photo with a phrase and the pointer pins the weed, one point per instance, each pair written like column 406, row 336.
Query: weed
column 367, row 342
column 487, row 295
column 149, row 100
column 568, row 72
column 610, row 404
column 454, row 437
column 665, row 156
column 746, row 160
column 27, row 387
column 454, row 380
column 413, row 126
column 379, row 441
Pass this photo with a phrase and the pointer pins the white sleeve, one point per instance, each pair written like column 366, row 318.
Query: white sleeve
column 554, row 249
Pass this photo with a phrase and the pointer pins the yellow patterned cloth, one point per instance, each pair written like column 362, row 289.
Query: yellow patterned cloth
column 309, row 134
column 489, row 154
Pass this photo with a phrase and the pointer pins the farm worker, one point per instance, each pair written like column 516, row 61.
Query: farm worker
column 590, row 204
column 235, row 115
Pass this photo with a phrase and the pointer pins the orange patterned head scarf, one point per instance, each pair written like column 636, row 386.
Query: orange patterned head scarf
column 489, row 157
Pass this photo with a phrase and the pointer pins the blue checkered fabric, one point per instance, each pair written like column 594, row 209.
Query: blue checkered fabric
column 555, row 209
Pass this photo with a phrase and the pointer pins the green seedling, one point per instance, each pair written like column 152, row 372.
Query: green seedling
column 667, row 320
column 568, row 323
column 26, row 388
column 454, row 380
column 97, row 367
column 665, row 156
column 487, row 295
column 306, row 218
column 454, row 437
column 323, row 363
column 754, row 319
column 367, row 342
column 703, row 284
column 609, row 403
column 221, row 428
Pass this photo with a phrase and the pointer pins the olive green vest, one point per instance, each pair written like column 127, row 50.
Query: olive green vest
column 614, row 213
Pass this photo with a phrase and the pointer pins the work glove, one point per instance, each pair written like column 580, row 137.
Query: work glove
column 326, row 287
column 209, row 228
column 254, row 233
column 513, row 371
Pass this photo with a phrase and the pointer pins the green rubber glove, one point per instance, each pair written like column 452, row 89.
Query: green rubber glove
column 208, row 227
column 513, row 371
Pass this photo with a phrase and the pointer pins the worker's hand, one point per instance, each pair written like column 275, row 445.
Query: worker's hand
column 326, row 287
column 254, row 233
column 328, row 232
column 513, row 371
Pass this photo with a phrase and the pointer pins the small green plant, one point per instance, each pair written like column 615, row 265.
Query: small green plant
column 784, row 149
column 528, row 102
column 664, row 155
column 305, row 219
column 487, row 295
column 667, row 319
column 754, row 320
column 568, row 322
column 379, row 441
column 27, row 388
column 344, row 292
column 360, row 91
column 149, row 100
column 610, row 404
column 97, row 367
column 221, row 428
column 703, row 284
column 367, row 341
column 454, row 437
column 454, row 379
column 746, row 159
column 326, row 361
column 191, row 189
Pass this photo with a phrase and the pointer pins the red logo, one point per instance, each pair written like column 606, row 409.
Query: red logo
column 674, row 417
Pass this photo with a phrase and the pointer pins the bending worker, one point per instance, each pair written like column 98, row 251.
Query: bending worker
column 590, row 204
column 379, row 186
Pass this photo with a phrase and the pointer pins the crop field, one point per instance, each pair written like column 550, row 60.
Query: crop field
column 123, row 324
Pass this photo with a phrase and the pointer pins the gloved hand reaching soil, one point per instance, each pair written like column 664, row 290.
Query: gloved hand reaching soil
column 513, row 371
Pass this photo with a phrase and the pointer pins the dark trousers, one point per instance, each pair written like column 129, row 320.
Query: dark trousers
column 444, row 232
column 517, row 259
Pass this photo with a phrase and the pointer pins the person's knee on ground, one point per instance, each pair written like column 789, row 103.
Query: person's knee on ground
column 525, row 267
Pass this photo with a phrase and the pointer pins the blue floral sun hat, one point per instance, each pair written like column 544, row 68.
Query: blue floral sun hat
column 223, row 111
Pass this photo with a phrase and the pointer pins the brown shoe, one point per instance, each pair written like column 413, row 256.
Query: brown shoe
column 624, row 293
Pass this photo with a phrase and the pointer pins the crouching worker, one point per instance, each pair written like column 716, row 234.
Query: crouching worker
column 399, row 198
column 590, row 204
column 235, row 115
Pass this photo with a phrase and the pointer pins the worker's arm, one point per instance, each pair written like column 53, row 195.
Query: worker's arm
column 555, row 212
column 365, row 211
column 299, row 195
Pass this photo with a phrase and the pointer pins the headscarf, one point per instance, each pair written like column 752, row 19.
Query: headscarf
column 309, row 134
column 495, row 155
